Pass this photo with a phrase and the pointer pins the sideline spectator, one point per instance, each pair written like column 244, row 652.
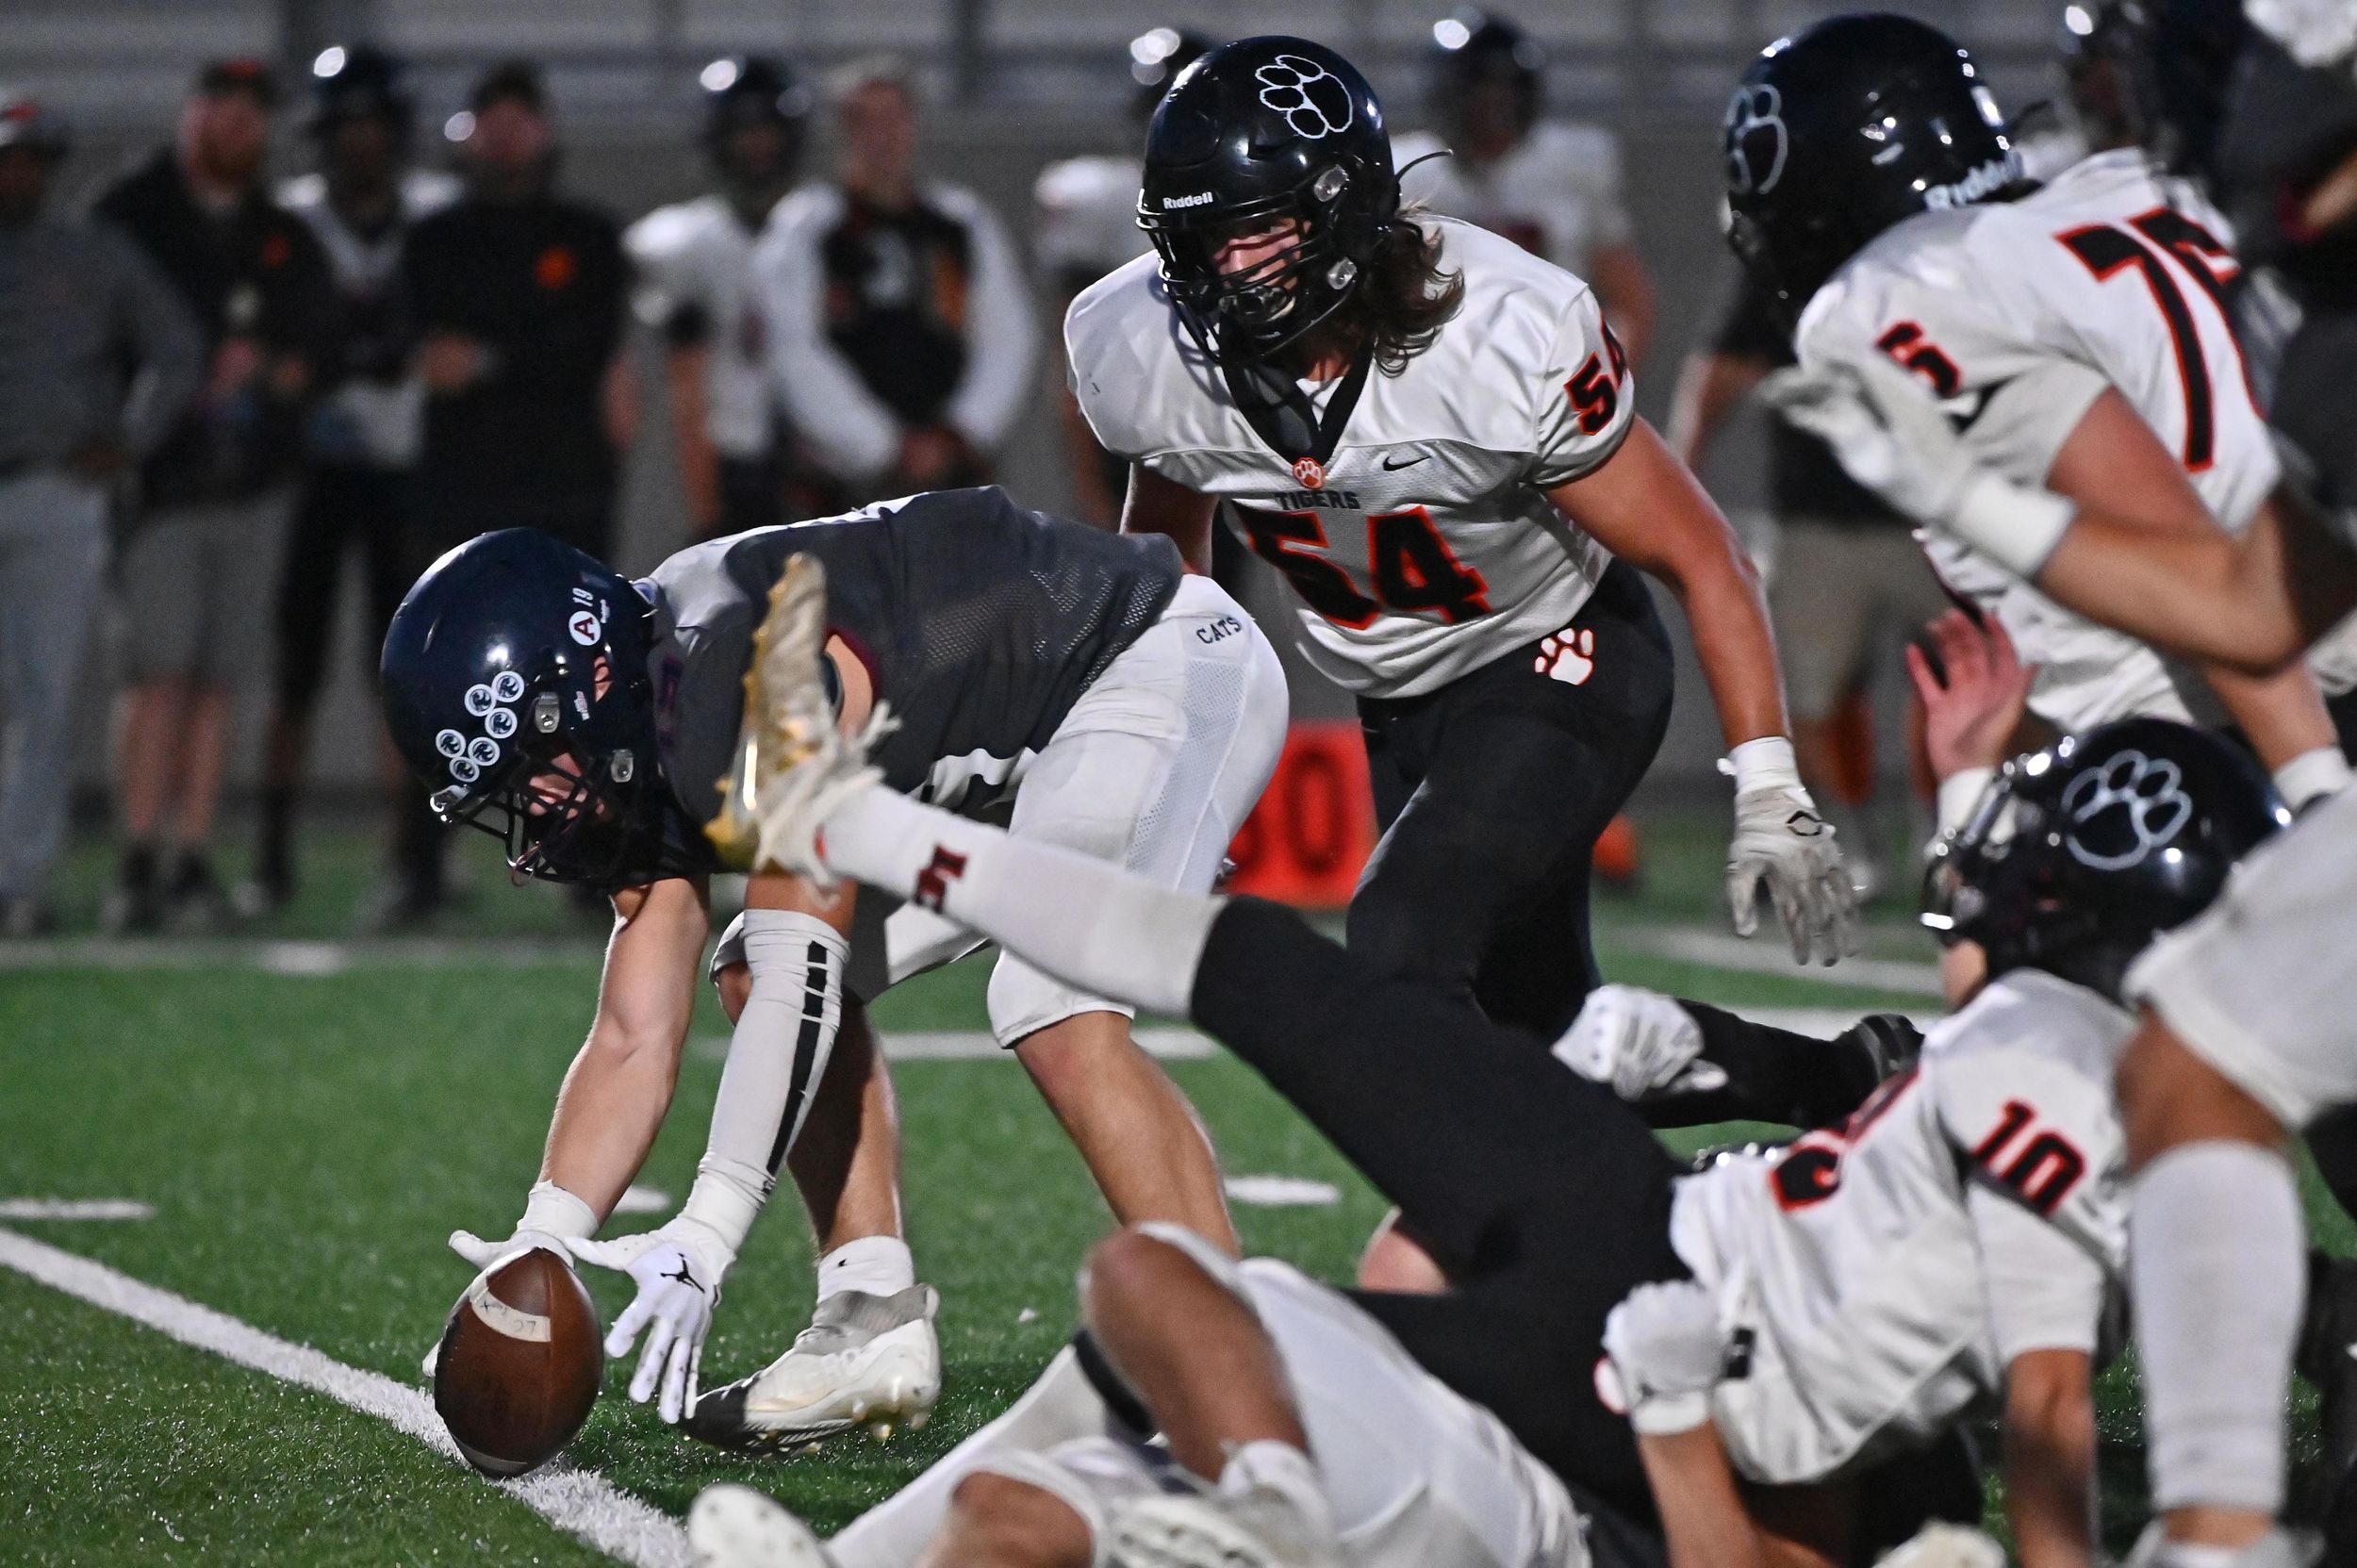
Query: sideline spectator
column 518, row 296
column 80, row 312
column 1550, row 186
column 694, row 261
column 902, row 327
column 204, row 548
column 1849, row 587
column 1088, row 226
column 361, row 441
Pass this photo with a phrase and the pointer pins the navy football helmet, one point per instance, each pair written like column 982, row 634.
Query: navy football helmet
column 2080, row 854
column 518, row 657
column 1843, row 130
column 1256, row 133
column 359, row 82
column 754, row 89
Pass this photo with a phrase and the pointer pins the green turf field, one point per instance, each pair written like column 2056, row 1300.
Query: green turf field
column 306, row 1139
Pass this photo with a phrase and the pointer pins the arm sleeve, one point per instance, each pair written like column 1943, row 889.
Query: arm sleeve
column 164, row 344
column 829, row 407
column 1586, row 398
column 2045, row 1291
column 1001, row 334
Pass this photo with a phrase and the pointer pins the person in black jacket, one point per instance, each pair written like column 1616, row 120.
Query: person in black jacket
column 200, row 554
column 518, row 296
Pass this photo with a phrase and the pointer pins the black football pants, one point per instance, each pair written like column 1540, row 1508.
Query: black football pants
column 1491, row 793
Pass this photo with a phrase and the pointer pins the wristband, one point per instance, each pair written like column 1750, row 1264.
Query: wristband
column 552, row 1211
column 1766, row 763
column 1668, row 1414
column 2012, row 525
column 726, row 1199
column 2311, row 776
column 1959, row 792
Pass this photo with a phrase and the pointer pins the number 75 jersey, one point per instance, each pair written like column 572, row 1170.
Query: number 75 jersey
column 2018, row 315
column 1420, row 543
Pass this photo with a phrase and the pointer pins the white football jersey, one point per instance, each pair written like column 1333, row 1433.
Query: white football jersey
column 2019, row 314
column 696, row 256
column 1879, row 1277
column 1557, row 192
column 384, row 420
column 1424, row 546
column 1088, row 215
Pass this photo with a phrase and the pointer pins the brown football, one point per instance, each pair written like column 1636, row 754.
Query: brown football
column 520, row 1365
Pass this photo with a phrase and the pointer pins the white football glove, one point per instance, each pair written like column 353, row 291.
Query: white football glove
column 1668, row 1350
column 1636, row 1042
column 1943, row 1545
column 552, row 1219
column 1782, row 844
column 678, row 1269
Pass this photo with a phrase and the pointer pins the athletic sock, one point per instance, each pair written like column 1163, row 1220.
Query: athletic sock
column 1092, row 925
column 880, row 1266
column 1268, row 1465
column 2218, row 1248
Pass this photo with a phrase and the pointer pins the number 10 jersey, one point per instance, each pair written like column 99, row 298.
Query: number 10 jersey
column 1422, row 545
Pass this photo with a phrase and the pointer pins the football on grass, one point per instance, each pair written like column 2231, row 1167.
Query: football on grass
column 520, row 1365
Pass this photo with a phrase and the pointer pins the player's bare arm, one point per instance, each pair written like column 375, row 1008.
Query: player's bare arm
column 1709, row 387
column 1645, row 507
column 619, row 1086
column 1159, row 505
column 1618, row 275
column 1702, row 1511
column 2048, row 1459
column 2114, row 458
column 685, row 367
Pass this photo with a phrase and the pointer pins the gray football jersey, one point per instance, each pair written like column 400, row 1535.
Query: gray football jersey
column 980, row 622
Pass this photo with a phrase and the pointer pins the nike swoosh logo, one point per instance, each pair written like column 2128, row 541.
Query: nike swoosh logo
column 1390, row 466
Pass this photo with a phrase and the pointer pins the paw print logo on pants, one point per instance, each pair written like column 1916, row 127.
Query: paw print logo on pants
column 1312, row 99
column 1568, row 655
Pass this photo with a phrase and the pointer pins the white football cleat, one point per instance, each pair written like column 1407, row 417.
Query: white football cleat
column 793, row 763
column 1635, row 1043
column 735, row 1526
column 864, row 1360
column 1259, row 1528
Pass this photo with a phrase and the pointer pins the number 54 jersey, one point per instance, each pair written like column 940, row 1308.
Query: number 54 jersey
column 1411, row 518
column 1879, row 1277
column 2019, row 314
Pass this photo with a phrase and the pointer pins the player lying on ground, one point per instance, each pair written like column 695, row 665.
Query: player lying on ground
column 2250, row 1021
column 1790, row 1317
column 1129, row 711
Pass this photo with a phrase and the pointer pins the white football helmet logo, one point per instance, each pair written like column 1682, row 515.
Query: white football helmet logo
column 1312, row 99
column 1757, row 141
column 2131, row 806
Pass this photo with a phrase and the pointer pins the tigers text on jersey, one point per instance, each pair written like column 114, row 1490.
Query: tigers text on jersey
column 693, row 260
column 1880, row 1276
column 1556, row 192
column 2019, row 314
column 980, row 623
column 1425, row 545
column 373, row 411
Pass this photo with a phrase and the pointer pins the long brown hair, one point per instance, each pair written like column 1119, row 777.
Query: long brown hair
column 1405, row 298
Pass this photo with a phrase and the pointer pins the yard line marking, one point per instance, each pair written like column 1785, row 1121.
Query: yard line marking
column 977, row 1045
column 1723, row 951
column 1283, row 1192
column 298, row 959
column 581, row 1503
column 638, row 1199
column 75, row 1207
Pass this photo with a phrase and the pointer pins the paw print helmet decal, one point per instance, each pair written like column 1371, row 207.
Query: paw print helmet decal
column 2080, row 854
column 1274, row 138
column 1842, row 130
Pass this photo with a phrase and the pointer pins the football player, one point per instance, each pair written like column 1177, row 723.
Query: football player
column 2077, row 329
column 1123, row 708
column 1430, row 433
column 1551, row 186
column 692, row 260
column 1789, row 1316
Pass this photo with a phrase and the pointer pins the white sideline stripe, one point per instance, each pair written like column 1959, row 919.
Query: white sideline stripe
column 1766, row 955
column 581, row 1503
column 75, row 1207
column 302, row 958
